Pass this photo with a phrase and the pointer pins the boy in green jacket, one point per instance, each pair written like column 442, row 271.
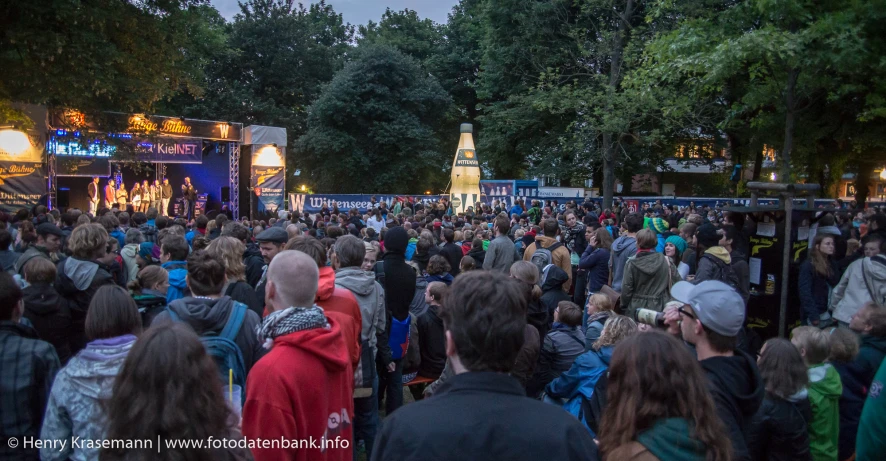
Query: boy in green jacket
column 825, row 389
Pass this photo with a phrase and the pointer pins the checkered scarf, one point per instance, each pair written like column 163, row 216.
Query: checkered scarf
column 290, row 320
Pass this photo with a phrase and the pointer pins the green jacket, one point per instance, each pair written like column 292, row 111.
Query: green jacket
column 669, row 440
column 871, row 439
column 870, row 355
column 825, row 389
column 534, row 214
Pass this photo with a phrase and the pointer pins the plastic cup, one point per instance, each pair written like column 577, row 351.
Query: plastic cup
column 235, row 403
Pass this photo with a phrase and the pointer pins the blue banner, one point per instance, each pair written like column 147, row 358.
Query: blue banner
column 21, row 185
column 313, row 203
column 268, row 184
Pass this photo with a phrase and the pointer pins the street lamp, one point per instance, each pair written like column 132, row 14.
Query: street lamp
column 304, row 188
column 883, row 174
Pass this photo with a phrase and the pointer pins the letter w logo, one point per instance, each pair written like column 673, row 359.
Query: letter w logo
column 296, row 202
column 224, row 128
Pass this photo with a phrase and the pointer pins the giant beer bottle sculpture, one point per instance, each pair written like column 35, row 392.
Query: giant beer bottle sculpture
column 465, row 190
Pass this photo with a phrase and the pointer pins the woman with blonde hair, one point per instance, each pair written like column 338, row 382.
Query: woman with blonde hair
column 577, row 384
column 229, row 251
column 599, row 310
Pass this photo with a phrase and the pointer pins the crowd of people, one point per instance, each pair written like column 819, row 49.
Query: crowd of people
column 526, row 332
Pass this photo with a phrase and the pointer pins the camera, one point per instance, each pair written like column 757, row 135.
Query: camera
column 649, row 317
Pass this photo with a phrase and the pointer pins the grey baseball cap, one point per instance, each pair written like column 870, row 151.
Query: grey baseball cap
column 717, row 305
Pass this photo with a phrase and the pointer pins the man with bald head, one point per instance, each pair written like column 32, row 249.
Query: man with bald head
column 301, row 389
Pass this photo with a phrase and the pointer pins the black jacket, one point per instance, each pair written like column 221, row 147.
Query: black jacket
column 553, row 291
column 479, row 256
column 482, row 416
column 254, row 263
column 813, row 289
column 28, row 366
column 241, row 291
column 399, row 285
column 8, row 259
column 76, row 282
column 453, row 254
column 779, row 431
column 737, row 389
column 150, row 304
column 422, row 260
column 431, row 344
column 50, row 316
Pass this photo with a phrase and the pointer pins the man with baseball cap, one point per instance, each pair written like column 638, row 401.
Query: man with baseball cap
column 270, row 242
column 710, row 319
column 49, row 241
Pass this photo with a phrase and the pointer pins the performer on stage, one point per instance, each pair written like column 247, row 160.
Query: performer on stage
column 165, row 195
column 122, row 196
column 189, row 194
column 155, row 193
column 136, row 197
column 93, row 190
column 147, row 196
column 110, row 194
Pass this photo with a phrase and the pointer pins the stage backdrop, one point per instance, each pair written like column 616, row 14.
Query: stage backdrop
column 268, row 178
column 21, row 173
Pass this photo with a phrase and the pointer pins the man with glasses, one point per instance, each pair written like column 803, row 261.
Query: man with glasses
column 710, row 319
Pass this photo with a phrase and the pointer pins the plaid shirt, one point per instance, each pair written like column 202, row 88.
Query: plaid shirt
column 27, row 369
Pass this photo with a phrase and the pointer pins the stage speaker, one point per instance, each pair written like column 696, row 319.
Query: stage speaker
column 225, row 194
column 63, row 196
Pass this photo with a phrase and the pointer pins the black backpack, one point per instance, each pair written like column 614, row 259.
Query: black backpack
column 727, row 273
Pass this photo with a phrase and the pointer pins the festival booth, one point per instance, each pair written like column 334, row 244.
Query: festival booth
column 208, row 152
column 265, row 147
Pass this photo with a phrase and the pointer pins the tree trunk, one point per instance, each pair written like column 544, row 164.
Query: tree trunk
column 758, row 163
column 609, row 148
column 790, row 89
column 863, row 183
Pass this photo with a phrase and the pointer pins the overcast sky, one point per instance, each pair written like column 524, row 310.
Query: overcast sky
column 361, row 11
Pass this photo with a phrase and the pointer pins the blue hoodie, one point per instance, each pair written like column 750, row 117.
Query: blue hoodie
column 580, row 380
column 120, row 236
column 178, row 287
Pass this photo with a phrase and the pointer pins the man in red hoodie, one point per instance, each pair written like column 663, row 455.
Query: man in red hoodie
column 299, row 395
column 338, row 303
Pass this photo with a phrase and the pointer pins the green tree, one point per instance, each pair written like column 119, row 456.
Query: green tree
column 372, row 128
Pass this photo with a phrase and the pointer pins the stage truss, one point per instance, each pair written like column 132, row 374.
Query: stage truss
column 234, row 178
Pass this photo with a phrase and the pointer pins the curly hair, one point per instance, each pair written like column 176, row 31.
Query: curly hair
column 168, row 387
column 438, row 265
column 616, row 328
column 229, row 251
column 652, row 377
column 88, row 241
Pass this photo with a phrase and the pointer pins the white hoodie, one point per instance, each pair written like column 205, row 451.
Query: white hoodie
column 862, row 278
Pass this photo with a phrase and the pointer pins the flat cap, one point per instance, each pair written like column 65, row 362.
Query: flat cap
column 273, row 235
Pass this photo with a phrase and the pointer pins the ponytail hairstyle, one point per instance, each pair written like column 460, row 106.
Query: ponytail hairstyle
column 148, row 277
column 527, row 273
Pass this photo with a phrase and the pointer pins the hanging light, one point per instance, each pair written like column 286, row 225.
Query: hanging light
column 14, row 142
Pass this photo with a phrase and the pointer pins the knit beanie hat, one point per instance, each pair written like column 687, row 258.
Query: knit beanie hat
column 678, row 242
column 396, row 240
column 659, row 225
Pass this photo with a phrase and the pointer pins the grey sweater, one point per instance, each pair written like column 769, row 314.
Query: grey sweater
column 500, row 255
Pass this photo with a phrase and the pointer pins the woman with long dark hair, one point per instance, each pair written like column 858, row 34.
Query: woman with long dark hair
column 658, row 404
column 169, row 387
column 818, row 276
column 74, row 407
column 779, row 431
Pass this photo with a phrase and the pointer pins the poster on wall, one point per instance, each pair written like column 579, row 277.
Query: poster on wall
column 268, row 184
column 21, row 171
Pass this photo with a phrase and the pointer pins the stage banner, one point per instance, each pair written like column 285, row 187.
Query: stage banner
column 268, row 184
column 313, row 203
column 83, row 166
column 172, row 151
column 21, row 185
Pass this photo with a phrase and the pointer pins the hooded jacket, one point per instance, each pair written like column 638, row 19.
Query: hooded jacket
column 370, row 299
column 74, row 407
column 559, row 349
column 479, row 255
column 130, row 266
column 622, row 248
column 871, row 441
column 32, row 252
column 399, row 285
column 552, row 289
column 737, row 389
column 302, row 389
column 669, row 439
column 579, row 381
column 76, row 282
column 25, row 391
column 255, row 264
column 825, row 390
column 648, row 278
column 240, row 291
column 432, row 343
column 178, row 285
column 340, row 304
column 410, row 248
column 445, row 278
column 419, row 305
column 150, row 303
column 149, row 230
column 8, row 259
column 779, row 431
column 854, row 289
column 209, row 316
column 708, row 269
column 851, row 405
column 50, row 316
column 422, row 260
column 560, row 255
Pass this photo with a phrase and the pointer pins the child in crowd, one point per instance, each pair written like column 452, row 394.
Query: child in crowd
column 825, row 389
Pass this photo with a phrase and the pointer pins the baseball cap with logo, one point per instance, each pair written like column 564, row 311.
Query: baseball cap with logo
column 717, row 305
